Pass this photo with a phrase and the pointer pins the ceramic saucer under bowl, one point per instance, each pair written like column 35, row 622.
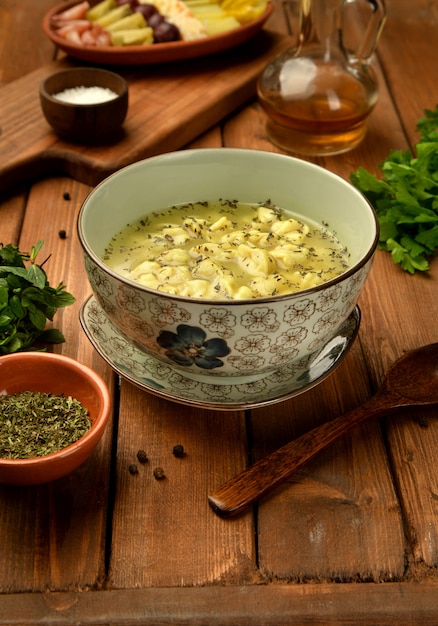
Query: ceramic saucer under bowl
column 164, row 380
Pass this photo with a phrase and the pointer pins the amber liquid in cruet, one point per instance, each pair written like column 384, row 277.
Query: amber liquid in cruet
column 319, row 108
column 319, row 94
column 331, row 121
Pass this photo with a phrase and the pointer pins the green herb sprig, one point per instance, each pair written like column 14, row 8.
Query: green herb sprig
column 406, row 198
column 27, row 301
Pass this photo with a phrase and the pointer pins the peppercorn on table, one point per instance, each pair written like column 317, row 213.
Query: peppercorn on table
column 129, row 537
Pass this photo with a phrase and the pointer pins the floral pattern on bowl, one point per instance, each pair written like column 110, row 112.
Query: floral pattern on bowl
column 190, row 346
column 164, row 380
column 226, row 342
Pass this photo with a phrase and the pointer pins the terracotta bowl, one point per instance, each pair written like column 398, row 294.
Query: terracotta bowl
column 288, row 328
column 84, row 123
column 56, row 374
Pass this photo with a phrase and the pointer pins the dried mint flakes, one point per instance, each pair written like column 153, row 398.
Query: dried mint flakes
column 34, row 424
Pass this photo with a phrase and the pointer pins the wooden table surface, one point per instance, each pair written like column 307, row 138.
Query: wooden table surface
column 352, row 538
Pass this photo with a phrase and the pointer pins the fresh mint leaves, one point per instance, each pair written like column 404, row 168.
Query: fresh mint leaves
column 406, row 198
column 27, row 301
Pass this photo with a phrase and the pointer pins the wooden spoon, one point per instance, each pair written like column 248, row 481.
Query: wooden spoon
column 411, row 381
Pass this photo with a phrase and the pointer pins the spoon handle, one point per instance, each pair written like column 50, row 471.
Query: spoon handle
column 234, row 496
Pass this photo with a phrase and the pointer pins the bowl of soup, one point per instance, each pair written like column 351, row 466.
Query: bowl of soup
column 227, row 264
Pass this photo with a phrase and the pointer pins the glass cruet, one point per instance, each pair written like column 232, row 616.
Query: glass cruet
column 319, row 94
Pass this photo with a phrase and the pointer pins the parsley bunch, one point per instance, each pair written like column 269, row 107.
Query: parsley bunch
column 406, row 198
column 27, row 301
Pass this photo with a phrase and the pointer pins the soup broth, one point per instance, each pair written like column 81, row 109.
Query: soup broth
column 226, row 250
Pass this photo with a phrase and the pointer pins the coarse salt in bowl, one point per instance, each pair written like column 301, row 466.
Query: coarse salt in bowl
column 253, row 337
column 85, row 95
column 85, row 104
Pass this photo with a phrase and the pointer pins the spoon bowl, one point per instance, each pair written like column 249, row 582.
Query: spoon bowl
column 415, row 376
column 411, row 381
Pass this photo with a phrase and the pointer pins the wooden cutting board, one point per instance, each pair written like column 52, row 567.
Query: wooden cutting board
column 169, row 106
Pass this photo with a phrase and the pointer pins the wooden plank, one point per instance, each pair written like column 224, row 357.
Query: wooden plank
column 32, row 48
column 408, row 51
column 369, row 604
column 185, row 545
column 413, row 443
column 11, row 216
column 294, row 555
column 164, row 533
column 57, row 532
column 338, row 518
column 19, row 55
column 412, row 448
column 411, row 300
column 199, row 547
column 53, row 206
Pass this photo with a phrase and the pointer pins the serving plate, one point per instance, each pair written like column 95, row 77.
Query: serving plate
column 154, row 53
column 165, row 381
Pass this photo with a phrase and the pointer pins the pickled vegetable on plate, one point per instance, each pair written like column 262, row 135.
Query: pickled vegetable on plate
column 112, row 16
column 133, row 37
column 243, row 10
column 100, row 9
column 129, row 22
column 214, row 18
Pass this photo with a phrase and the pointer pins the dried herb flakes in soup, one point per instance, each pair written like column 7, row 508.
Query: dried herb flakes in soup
column 27, row 301
column 34, row 424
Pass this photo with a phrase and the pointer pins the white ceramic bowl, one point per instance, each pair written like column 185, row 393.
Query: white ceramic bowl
column 259, row 335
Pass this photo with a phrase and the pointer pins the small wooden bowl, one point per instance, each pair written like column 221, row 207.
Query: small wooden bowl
column 84, row 123
column 53, row 373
